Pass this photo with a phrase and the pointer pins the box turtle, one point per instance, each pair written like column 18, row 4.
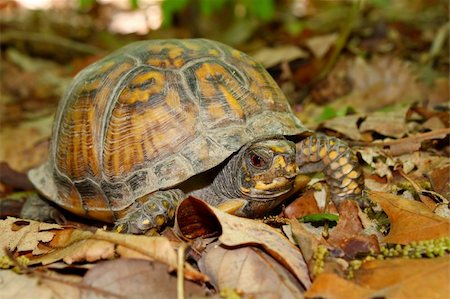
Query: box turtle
column 158, row 120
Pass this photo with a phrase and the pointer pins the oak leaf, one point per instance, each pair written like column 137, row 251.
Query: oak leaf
column 410, row 220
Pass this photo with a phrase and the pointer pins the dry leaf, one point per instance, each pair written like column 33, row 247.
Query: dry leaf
column 133, row 278
column 240, row 231
column 270, row 57
column 91, row 251
column 392, row 123
column 13, row 285
column 380, row 82
column 31, row 148
column 407, row 278
column 24, row 235
column 249, row 271
column 410, row 220
column 307, row 239
column 320, row 45
column 331, row 286
column 346, row 125
column 440, row 179
column 304, row 205
column 348, row 235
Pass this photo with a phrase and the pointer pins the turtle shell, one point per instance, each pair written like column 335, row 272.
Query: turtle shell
column 151, row 115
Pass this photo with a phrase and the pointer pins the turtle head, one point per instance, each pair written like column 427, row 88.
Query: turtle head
column 268, row 169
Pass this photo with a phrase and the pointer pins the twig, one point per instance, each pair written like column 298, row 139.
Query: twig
column 180, row 271
column 40, row 38
column 341, row 41
column 439, row 134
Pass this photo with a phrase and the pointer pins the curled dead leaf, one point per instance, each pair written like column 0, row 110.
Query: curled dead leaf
column 237, row 231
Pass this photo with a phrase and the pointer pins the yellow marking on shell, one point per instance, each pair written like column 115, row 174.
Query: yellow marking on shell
column 236, row 53
column 347, row 168
column 136, row 136
column 314, row 148
column 353, row 174
column 306, row 142
column 357, row 190
column 145, row 222
column 323, row 152
column 216, row 111
column 130, row 96
column 232, row 102
column 175, row 52
column 343, row 160
column 342, row 149
column 173, row 99
column 332, row 155
column 213, row 52
column 332, row 142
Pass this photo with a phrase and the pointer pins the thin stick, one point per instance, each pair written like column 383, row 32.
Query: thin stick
column 180, row 271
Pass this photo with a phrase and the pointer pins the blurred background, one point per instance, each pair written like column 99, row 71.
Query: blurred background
column 331, row 58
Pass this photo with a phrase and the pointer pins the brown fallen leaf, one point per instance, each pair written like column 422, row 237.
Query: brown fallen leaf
column 410, row 220
column 24, row 235
column 412, row 143
column 31, row 148
column 392, row 123
column 134, row 278
column 349, row 235
column 304, row 205
column 236, row 231
column 52, row 286
column 270, row 57
column 308, row 240
column 346, row 125
column 249, row 271
column 332, row 286
column 440, row 178
column 407, row 278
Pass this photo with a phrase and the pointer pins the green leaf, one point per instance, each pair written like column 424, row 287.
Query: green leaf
column 207, row 7
column 327, row 113
column 85, row 4
column 134, row 4
column 170, row 7
column 319, row 218
column 295, row 27
column 263, row 9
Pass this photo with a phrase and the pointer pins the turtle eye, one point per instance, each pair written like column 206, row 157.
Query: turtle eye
column 257, row 161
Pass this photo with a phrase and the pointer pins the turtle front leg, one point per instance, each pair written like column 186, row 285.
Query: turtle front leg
column 150, row 212
column 333, row 157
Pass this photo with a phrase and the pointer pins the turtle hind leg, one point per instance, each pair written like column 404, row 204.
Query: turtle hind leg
column 150, row 212
column 333, row 157
column 39, row 209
